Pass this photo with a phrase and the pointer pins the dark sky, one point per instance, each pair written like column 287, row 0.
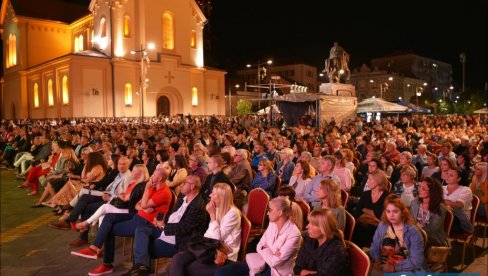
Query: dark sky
column 244, row 31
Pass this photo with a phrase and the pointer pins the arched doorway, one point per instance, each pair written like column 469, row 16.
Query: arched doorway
column 163, row 107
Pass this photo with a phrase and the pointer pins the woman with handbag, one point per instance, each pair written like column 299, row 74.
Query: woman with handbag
column 225, row 227
column 277, row 249
column 122, row 203
column 398, row 245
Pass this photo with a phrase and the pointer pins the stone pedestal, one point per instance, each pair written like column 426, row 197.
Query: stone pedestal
column 338, row 89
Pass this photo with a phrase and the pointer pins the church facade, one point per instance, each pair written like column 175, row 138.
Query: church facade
column 126, row 58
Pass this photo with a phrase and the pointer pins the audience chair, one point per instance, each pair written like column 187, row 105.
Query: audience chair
column 245, row 231
column 256, row 213
column 277, row 186
column 305, row 211
column 449, row 218
column 344, row 197
column 388, row 187
column 360, row 262
column 349, row 228
column 467, row 238
column 482, row 222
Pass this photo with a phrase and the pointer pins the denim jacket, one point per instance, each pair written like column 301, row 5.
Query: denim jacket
column 414, row 242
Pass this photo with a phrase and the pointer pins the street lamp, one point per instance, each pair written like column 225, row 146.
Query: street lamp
column 144, row 81
column 261, row 75
column 418, row 94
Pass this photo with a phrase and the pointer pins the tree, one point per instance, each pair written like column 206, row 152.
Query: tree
column 244, row 107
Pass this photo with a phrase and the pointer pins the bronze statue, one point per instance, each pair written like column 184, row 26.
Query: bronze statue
column 336, row 66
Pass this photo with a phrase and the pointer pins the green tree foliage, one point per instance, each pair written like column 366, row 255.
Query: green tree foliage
column 244, row 107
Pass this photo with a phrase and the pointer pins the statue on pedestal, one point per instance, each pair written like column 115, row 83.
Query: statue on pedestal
column 336, row 66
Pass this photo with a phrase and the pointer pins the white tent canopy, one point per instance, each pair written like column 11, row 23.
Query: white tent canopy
column 483, row 110
column 266, row 110
column 379, row 105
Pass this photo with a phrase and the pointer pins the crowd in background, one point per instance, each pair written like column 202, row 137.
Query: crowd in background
column 174, row 183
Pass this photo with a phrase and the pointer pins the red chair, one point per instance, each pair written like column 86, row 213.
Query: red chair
column 344, row 197
column 349, row 228
column 245, row 231
column 360, row 262
column 256, row 213
column 305, row 211
column 277, row 186
column 467, row 238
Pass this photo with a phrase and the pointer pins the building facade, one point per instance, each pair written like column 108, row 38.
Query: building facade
column 119, row 58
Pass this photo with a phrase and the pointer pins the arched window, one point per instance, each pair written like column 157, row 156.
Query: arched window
column 194, row 96
column 76, row 45
column 193, row 42
column 80, row 43
column 11, row 59
column 126, row 26
column 128, row 94
column 36, row 95
column 50, row 95
column 103, row 27
column 65, row 94
column 168, row 31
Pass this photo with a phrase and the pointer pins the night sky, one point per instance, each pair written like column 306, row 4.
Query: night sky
column 243, row 31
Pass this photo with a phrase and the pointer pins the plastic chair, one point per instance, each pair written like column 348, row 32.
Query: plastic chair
column 467, row 238
column 360, row 262
column 256, row 213
column 349, row 228
column 245, row 231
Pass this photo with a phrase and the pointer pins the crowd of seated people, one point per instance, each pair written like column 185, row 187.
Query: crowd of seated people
column 174, row 184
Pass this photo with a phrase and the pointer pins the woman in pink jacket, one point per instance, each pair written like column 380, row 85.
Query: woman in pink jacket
column 278, row 248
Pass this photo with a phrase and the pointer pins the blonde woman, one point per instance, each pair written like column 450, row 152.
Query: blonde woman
column 329, row 194
column 127, row 200
column 225, row 226
column 284, row 168
column 323, row 251
column 277, row 249
column 479, row 187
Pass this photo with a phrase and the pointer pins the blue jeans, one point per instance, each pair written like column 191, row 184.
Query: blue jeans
column 461, row 222
column 125, row 228
column 146, row 239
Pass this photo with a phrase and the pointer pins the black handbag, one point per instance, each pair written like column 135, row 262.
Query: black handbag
column 203, row 249
column 119, row 203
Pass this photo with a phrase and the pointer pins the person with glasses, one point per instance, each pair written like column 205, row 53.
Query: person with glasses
column 277, row 249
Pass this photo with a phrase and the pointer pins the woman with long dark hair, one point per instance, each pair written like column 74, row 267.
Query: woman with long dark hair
column 429, row 211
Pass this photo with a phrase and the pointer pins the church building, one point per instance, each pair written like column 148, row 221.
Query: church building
column 119, row 58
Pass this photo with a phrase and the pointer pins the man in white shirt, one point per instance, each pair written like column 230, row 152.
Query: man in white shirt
column 188, row 219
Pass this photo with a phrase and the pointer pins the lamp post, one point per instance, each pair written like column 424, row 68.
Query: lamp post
column 462, row 59
column 418, row 94
column 260, row 75
column 144, row 81
column 230, row 98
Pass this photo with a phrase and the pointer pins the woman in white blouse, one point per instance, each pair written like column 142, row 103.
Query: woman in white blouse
column 225, row 226
column 278, row 248
column 458, row 199
column 301, row 178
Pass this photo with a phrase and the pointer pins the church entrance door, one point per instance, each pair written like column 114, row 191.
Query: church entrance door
column 163, row 106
